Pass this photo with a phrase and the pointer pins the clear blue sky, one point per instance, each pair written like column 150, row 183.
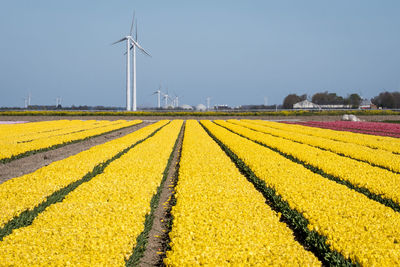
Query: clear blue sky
column 236, row 52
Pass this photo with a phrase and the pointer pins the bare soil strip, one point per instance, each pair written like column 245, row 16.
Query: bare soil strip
column 158, row 234
column 31, row 163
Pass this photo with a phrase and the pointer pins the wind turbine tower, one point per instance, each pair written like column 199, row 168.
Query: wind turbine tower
column 134, row 45
column 166, row 99
column 29, row 99
column 175, row 101
column 58, row 101
column 158, row 92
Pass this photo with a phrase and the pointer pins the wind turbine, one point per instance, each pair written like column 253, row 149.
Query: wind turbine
column 176, row 100
column 58, row 101
column 29, row 99
column 158, row 92
column 135, row 44
column 208, row 102
column 128, row 39
column 166, row 96
column 25, row 102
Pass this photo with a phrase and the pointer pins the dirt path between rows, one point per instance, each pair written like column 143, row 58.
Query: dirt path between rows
column 158, row 234
column 31, row 163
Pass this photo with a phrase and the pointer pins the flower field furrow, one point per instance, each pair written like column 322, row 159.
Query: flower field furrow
column 97, row 224
column 355, row 226
column 8, row 131
column 220, row 218
column 69, row 131
column 378, row 157
column 14, row 149
column 375, row 128
column 35, row 130
column 375, row 142
column 27, row 191
column 379, row 181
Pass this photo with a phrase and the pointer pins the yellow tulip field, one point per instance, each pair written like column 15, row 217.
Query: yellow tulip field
column 245, row 193
column 17, row 140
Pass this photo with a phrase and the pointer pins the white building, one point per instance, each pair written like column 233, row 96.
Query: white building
column 201, row 107
column 305, row 104
column 366, row 104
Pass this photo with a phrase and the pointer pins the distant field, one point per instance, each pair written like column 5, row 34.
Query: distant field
column 213, row 191
column 295, row 115
column 201, row 113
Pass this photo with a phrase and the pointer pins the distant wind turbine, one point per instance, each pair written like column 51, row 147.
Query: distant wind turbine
column 166, row 96
column 29, row 99
column 208, row 102
column 58, row 101
column 25, row 102
column 158, row 92
column 176, row 100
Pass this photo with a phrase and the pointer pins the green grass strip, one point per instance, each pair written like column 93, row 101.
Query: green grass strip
column 141, row 240
column 389, row 121
column 365, row 191
column 26, row 217
column 32, row 152
column 311, row 240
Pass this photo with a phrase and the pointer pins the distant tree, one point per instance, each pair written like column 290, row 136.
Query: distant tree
column 354, row 100
column 325, row 98
column 292, row 99
column 396, row 96
column 387, row 100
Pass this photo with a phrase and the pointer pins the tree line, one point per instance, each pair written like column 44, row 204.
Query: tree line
column 383, row 100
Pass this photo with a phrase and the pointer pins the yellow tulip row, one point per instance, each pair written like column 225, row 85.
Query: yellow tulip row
column 13, row 133
column 382, row 142
column 360, row 174
column 96, row 224
column 355, row 226
column 220, row 219
column 13, row 149
column 27, row 191
column 378, row 157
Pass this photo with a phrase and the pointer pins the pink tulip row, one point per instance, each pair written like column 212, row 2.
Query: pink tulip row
column 375, row 128
column 11, row 122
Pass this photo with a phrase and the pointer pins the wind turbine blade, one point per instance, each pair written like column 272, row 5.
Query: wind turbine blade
column 139, row 47
column 129, row 48
column 133, row 20
column 136, row 32
column 144, row 51
column 123, row 39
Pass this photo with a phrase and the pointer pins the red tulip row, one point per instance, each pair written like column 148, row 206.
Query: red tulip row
column 375, row 128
